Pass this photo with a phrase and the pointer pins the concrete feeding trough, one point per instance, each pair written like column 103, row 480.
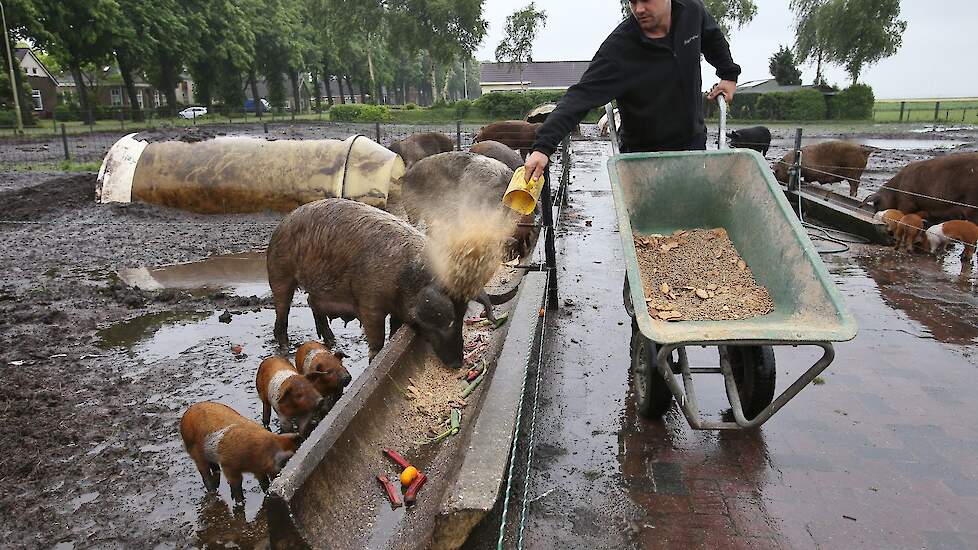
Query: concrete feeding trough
column 234, row 175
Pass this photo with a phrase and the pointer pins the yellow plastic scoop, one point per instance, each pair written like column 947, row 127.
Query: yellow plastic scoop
column 522, row 195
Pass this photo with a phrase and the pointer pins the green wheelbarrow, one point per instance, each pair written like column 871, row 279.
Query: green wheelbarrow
column 659, row 193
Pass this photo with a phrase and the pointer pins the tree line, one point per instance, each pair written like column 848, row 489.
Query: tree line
column 227, row 45
column 390, row 46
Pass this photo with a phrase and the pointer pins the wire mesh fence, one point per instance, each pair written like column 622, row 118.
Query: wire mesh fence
column 92, row 145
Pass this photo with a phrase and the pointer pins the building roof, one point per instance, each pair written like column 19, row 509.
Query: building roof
column 770, row 85
column 536, row 74
column 110, row 77
column 21, row 53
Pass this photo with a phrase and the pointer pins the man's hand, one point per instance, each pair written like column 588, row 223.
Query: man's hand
column 535, row 163
column 725, row 87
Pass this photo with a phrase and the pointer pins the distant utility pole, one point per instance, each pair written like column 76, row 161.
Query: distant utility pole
column 13, row 80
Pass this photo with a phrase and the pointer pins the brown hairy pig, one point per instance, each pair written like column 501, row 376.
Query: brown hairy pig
column 908, row 229
column 218, row 438
column 358, row 262
column 314, row 357
column 889, row 218
column 293, row 396
column 946, row 187
column 418, row 146
column 440, row 184
column 516, row 134
column 828, row 162
column 955, row 231
column 498, row 151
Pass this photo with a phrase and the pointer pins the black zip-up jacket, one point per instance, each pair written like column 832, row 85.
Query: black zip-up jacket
column 658, row 88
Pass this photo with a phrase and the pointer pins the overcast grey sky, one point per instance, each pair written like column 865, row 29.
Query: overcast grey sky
column 936, row 60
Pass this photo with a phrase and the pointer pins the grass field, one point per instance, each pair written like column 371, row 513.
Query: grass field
column 963, row 110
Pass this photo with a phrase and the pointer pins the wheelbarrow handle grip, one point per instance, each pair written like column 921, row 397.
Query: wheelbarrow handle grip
column 722, row 138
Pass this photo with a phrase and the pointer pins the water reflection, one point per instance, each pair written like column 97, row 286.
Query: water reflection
column 242, row 274
column 937, row 294
column 221, row 525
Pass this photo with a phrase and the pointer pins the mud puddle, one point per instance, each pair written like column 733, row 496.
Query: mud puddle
column 238, row 274
column 196, row 350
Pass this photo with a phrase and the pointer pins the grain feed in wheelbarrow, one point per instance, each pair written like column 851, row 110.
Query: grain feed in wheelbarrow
column 698, row 275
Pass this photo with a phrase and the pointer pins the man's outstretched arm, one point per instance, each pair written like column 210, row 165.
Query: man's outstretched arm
column 601, row 83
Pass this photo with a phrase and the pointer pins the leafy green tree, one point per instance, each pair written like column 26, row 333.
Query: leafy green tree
column 783, row 68
column 132, row 46
column 171, row 41
column 516, row 47
column 23, row 91
column 49, row 61
column 859, row 33
column 809, row 40
column 445, row 30
column 731, row 14
column 226, row 49
column 76, row 32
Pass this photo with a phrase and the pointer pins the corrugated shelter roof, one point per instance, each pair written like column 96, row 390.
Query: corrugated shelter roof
column 537, row 74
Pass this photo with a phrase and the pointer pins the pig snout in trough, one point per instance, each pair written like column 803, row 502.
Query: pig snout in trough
column 359, row 262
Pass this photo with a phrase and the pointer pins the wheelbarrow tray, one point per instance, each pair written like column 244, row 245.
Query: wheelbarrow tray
column 659, row 193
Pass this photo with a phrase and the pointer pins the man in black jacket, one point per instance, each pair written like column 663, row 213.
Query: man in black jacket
column 651, row 65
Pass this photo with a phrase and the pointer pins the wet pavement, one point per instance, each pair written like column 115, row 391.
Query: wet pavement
column 881, row 454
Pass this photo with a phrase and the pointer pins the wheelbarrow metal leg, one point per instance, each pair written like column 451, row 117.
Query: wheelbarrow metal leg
column 686, row 394
column 828, row 354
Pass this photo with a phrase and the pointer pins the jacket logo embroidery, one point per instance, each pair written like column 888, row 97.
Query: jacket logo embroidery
column 690, row 39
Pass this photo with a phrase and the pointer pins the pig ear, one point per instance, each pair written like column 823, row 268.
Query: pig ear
column 285, row 394
column 339, row 354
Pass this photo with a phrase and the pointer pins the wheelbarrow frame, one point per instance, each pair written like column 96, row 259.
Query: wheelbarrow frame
column 672, row 371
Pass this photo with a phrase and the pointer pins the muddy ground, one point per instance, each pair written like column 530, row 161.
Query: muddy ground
column 97, row 372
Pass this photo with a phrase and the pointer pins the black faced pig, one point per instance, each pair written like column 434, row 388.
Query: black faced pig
column 757, row 138
column 356, row 261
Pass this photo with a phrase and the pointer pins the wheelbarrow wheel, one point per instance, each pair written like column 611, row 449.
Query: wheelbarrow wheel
column 755, row 374
column 652, row 396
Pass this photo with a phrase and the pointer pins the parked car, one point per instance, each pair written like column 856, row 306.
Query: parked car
column 263, row 106
column 192, row 112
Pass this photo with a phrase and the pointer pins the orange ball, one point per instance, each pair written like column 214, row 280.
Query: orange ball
column 408, row 475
